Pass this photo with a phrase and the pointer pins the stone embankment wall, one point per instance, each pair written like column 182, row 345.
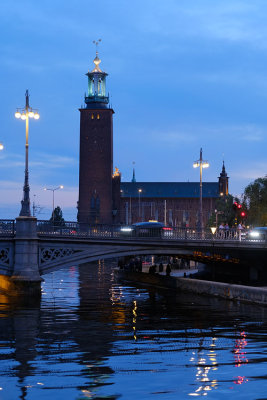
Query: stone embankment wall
column 227, row 291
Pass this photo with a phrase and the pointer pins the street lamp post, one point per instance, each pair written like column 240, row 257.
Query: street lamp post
column 25, row 114
column 201, row 164
column 53, row 206
column 139, row 193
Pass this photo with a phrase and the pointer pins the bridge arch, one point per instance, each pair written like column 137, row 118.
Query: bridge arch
column 104, row 252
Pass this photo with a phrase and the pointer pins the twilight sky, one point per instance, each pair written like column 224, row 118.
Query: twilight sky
column 183, row 74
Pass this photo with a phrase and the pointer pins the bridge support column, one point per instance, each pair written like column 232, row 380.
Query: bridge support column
column 26, row 276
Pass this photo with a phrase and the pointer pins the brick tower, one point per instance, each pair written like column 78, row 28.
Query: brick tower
column 96, row 151
column 223, row 182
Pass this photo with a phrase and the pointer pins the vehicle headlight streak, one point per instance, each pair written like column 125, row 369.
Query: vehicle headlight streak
column 254, row 234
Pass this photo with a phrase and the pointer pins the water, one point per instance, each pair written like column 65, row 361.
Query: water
column 93, row 338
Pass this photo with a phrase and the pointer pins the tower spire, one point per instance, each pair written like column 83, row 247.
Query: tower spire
column 133, row 178
column 223, row 168
column 97, row 60
column 223, row 182
column 96, row 96
column 96, row 42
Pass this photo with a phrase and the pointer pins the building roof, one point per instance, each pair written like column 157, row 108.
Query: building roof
column 169, row 189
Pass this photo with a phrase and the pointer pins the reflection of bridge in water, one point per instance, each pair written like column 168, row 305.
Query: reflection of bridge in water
column 31, row 248
column 78, row 339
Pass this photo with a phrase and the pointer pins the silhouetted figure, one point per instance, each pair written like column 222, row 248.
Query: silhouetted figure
column 168, row 270
column 131, row 266
column 160, row 267
column 152, row 269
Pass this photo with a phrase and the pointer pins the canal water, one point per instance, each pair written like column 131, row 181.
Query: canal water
column 91, row 337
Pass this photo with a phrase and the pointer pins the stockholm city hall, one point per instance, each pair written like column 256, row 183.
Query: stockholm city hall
column 104, row 199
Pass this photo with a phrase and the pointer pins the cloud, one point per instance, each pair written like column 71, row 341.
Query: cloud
column 11, row 194
column 41, row 160
column 173, row 137
column 247, row 132
column 253, row 137
column 234, row 22
column 252, row 171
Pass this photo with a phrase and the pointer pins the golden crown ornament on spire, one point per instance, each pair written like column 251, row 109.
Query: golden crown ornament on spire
column 97, row 60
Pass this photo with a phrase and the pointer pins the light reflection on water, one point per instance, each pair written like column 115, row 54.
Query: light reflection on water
column 91, row 337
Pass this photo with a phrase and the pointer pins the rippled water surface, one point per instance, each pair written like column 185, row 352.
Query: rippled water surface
column 91, row 337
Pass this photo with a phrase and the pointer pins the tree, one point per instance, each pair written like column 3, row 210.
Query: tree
column 58, row 217
column 255, row 199
column 224, row 211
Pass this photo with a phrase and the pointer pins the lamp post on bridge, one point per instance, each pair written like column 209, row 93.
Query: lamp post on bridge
column 53, row 206
column 24, row 114
column 26, row 275
column 201, row 164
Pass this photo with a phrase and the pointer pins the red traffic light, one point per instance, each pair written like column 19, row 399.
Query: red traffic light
column 243, row 214
column 239, row 206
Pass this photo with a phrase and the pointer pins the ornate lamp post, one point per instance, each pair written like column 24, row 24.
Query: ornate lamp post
column 201, row 164
column 53, row 190
column 25, row 114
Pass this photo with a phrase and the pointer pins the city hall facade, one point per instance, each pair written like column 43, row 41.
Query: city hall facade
column 104, row 199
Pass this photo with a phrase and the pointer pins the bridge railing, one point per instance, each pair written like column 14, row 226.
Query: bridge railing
column 80, row 230
column 7, row 227
column 77, row 229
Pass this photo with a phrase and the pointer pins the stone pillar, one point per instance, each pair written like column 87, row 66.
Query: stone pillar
column 26, row 275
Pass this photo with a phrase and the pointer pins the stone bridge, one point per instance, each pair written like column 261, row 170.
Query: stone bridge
column 31, row 248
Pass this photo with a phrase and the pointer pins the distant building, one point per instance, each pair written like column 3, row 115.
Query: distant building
column 104, row 199
column 174, row 203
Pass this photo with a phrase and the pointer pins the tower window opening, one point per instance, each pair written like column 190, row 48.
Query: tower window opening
column 100, row 87
column 98, row 116
column 92, row 116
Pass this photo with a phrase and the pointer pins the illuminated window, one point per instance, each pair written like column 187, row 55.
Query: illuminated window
column 97, row 116
column 92, row 116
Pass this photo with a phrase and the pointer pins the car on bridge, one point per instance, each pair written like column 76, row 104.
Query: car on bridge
column 151, row 229
column 258, row 233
